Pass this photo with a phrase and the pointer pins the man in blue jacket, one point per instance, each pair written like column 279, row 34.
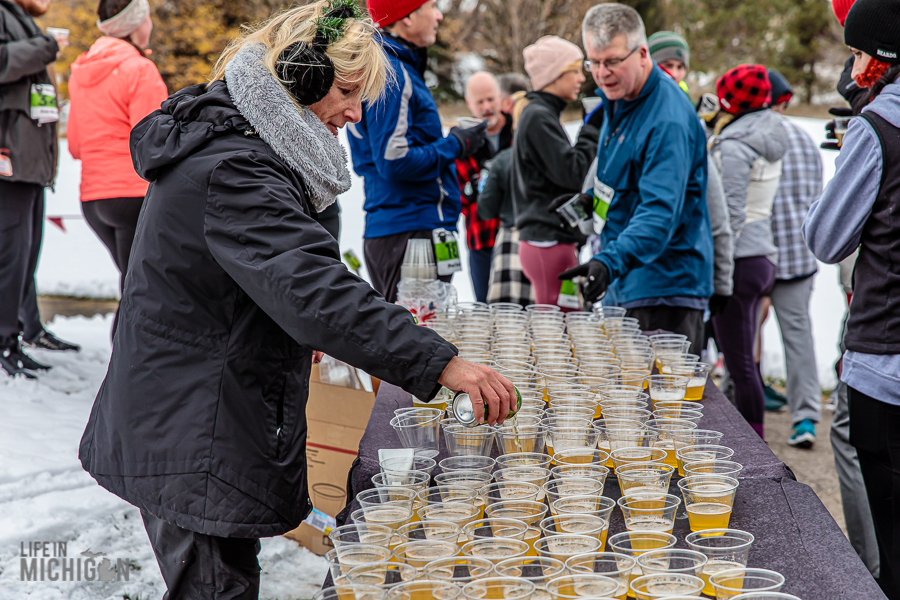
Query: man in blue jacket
column 400, row 151
column 657, row 251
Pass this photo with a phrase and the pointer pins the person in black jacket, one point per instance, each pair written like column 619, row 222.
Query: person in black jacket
column 232, row 285
column 545, row 166
column 28, row 116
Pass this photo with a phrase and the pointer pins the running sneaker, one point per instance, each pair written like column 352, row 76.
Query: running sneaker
column 803, row 434
column 47, row 341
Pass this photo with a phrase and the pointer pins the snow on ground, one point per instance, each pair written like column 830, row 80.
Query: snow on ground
column 46, row 496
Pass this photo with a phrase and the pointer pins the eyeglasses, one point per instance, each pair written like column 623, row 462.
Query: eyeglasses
column 610, row 64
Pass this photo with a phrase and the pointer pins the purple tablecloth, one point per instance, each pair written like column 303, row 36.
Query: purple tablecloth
column 795, row 534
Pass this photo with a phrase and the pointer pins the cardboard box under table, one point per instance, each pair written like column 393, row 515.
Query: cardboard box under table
column 336, row 419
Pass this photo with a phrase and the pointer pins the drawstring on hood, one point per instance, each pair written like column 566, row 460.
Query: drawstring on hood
column 297, row 136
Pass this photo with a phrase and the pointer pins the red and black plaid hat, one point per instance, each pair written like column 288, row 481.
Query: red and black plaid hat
column 744, row 88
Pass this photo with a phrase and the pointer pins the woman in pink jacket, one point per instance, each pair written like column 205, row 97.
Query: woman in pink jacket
column 112, row 87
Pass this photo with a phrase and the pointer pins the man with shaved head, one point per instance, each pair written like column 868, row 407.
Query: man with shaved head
column 483, row 98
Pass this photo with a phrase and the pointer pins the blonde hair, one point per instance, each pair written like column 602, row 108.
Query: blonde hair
column 519, row 104
column 357, row 56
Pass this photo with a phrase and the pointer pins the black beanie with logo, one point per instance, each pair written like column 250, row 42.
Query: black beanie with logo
column 873, row 26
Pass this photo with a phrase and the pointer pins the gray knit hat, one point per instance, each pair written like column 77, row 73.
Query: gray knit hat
column 668, row 45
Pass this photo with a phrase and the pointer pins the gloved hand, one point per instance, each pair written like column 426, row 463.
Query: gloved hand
column 717, row 304
column 470, row 139
column 586, row 201
column 596, row 279
column 595, row 118
column 837, row 111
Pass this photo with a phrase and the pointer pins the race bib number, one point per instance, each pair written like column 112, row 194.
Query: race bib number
column 43, row 103
column 446, row 252
column 568, row 295
column 603, row 196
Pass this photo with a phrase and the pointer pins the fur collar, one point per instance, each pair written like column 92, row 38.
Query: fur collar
column 297, row 136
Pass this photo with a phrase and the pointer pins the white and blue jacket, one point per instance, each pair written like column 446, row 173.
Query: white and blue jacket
column 400, row 151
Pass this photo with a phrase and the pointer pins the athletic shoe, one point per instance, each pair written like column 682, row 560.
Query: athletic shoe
column 47, row 341
column 11, row 362
column 803, row 434
column 775, row 401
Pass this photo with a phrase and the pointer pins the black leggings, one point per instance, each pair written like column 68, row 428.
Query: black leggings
column 114, row 220
column 875, row 433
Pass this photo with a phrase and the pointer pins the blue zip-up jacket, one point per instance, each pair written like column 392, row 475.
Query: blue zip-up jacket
column 657, row 242
column 400, row 151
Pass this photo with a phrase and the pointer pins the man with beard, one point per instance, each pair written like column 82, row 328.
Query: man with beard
column 483, row 97
column 28, row 115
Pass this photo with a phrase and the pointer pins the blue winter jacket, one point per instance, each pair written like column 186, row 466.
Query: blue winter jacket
column 657, row 242
column 400, row 151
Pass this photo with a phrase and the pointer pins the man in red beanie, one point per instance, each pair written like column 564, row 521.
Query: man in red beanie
column 400, row 151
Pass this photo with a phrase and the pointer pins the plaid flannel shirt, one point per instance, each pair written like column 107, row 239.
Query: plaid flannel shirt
column 800, row 186
column 480, row 234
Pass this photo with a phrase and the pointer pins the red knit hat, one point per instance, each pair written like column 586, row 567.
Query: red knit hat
column 744, row 88
column 387, row 12
column 841, row 8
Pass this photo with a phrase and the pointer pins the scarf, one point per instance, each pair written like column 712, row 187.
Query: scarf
column 297, row 136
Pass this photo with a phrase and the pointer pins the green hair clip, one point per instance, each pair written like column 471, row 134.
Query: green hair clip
column 330, row 26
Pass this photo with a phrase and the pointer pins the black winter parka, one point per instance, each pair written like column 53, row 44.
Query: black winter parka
column 231, row 285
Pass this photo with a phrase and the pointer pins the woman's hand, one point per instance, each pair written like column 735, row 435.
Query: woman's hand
column 317, row 357
column 482, row 384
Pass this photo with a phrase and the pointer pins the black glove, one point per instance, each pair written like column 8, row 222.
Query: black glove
column 586, row 201
column 837, row 111
column 596, row 279
column 470, row 139
column 595, row 119
column 717, row 304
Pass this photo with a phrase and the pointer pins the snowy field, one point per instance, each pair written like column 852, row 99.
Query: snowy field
column 44, row 494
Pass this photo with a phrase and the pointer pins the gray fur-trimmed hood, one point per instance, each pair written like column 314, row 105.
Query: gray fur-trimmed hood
column 297, row 136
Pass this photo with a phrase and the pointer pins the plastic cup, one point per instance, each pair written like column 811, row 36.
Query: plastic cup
column 678, row 414
column 467, row 441
column 433, row 529
column 447, row 493
column 728, row 468
column 495, row 549
column 581, row 585
column 635, row 543
column 467, row 463
column 590, row 103
column 424, row 588
column 678, row 405
column 337, row 570
column 528, row 512
column 732, row 582
column 570, row 486
column 581, row 457
column 474, row 480
column 614, row 565
column 581, row 524
column 419, row 553
column 493, row 527
column 708, row 500
column 591, row 471
column 509, row 588
column 694, row 437
column 666, row 428
column 458, row 570
column 765, row 596
column 536, row 569
column 509, row 490
column 725, row 549
column 564, row 546
column 644, row 478
column 389, row 515
column 402, row 464
column 361, row 533
column 666, row 585
column 523, row 459
column 460, row 513
column 573, row 212
column 385, row 575
column 598, row 506
column 649, row 512
column 634, row 412
column 392, row 495
column 637, row 454
column 353, row 555
column 350, row 590
column 527, row 435
column 673, row 560
column 667, row 358
column 419, row 432
column 696, row 452
column 411, row 480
